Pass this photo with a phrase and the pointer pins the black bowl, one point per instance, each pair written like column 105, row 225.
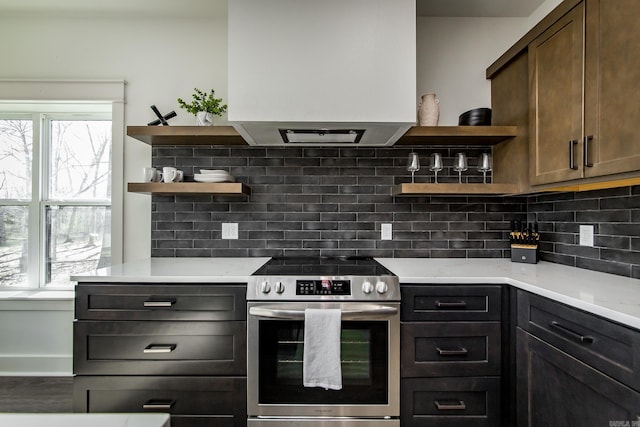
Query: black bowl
column 475, row 117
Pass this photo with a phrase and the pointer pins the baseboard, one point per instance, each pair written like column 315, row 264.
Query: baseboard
column 30, row 365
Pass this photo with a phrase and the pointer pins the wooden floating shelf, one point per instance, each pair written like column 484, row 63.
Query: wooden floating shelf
column 420, row 189
column 458, row 135
column 186, row 135
column 227, row 135
column 217, row 188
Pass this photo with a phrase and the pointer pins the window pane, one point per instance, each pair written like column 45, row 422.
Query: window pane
column 16, row 152
column 78, row 240
column 80, row 160
column 13, row 246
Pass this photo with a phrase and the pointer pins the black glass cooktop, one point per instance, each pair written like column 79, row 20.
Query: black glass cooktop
column 323, row 266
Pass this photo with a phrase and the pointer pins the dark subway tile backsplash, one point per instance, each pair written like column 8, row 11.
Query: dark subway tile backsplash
column 332, row 202
column 616, row 223
column 328, row 201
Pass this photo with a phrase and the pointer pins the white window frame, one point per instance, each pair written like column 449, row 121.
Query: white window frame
column 73, row 91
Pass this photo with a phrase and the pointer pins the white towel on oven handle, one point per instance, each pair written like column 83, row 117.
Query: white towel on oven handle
column 321, row 361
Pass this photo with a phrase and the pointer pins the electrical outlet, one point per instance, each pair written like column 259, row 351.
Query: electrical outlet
column 586, row 235
column 229, row 230
column 386, row 232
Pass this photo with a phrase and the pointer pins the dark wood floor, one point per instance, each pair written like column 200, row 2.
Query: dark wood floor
column 36, row 394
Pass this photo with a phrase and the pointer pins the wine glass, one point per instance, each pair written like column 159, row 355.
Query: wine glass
column 413, row 164
column 460, row 165
column 435, row 165
column 485, row 165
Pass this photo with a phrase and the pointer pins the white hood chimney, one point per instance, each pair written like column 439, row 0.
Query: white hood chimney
column 322, row 72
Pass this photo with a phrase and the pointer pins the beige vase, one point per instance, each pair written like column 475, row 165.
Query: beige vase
column 429, row 110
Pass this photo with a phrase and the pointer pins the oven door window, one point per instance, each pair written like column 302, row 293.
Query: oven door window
column 364, row 357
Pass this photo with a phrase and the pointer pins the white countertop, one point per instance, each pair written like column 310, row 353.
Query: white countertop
column 82, row 420
column 613, row 297
column 177, row 270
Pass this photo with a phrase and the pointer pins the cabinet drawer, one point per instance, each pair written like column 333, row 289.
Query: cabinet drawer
column 436, row 349
column 448, row 402
column 168, row 348
column 160, row 302
column 214, row 401
column 607, row 346
column 451, row 302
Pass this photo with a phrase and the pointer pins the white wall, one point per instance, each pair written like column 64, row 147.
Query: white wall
column 161, row 59
column 453, row 55
column 36, row 337
column 542, row 11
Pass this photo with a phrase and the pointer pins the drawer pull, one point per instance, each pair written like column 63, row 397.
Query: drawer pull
column 573, row 334
column 160, row 348
column 159, row 304
column 455, row 352
column 450, row 405
column 451, row 304
column 158, row 404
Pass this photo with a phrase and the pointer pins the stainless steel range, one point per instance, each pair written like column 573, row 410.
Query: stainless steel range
column 366, row 297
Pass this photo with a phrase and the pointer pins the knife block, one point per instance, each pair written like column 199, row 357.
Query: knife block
column 524, row 253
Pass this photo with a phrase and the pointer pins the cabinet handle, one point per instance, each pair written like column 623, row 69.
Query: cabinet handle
column 158, row 404
column 587, row 139
column 573, row 334
column 450, row 405
column 455, row 352
column 160, row 348
column 451, row 304
column 156, row 304
column 572, row 162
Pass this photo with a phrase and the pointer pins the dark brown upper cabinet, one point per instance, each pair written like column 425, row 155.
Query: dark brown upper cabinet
column 584, row 71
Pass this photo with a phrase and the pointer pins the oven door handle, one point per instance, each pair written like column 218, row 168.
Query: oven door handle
column 347, row 313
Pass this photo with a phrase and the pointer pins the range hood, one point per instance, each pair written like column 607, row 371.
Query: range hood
column 317, row 73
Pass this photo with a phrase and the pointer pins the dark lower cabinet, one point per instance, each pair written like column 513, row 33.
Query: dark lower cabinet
column 160, row 347
column 451, row 357
column 557, row 390
column 450, row 402
column 191, row 401
column 433, row 349
column 573, row 367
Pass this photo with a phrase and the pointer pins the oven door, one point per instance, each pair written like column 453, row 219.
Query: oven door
column 370, row 356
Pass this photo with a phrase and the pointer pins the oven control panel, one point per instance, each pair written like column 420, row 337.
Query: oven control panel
column 343, row 288
column 323, row 287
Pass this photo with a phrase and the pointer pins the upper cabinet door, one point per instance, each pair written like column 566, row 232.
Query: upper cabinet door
column 556, row 64
column 612, row 87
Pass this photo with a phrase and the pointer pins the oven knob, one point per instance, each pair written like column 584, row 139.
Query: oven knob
column 367, row 287
column 279, row 287
column 382, row 287
column 265, row 288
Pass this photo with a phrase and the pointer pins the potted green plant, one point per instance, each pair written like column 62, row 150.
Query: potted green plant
column 204, row 106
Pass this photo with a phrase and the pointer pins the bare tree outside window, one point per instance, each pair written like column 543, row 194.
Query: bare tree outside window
column 80, row 160
column 16, row 153
column 74, row 200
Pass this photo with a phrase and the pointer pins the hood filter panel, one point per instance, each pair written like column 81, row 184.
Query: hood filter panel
column 321, row 136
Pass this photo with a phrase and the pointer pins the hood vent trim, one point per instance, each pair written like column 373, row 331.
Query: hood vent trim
column 321, row 136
